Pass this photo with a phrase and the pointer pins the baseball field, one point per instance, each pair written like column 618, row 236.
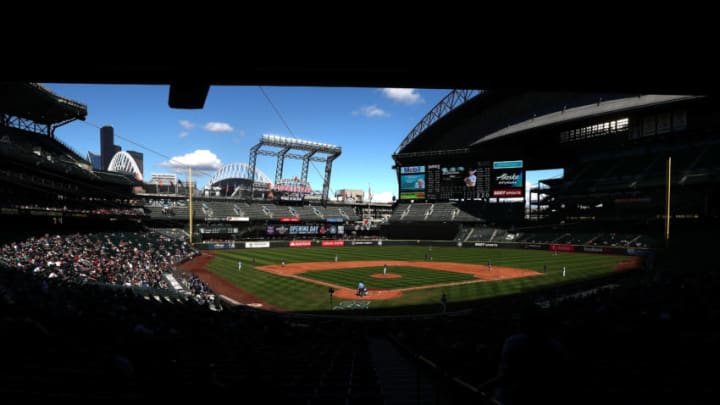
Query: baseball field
column 415, row 276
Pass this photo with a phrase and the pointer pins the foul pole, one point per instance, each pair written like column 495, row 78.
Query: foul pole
column 191, row 209
column 667, row 202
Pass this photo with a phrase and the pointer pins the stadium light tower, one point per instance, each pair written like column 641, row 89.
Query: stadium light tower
column 286, row 145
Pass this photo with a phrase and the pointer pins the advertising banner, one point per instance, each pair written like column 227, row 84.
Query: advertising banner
column 289, row 219
column 257, row 245
column 507, row 183
column 508, row 179
column 561, row 248
column 229, row 245
column 412, row 182
column 326, row 243
column 508, row 164
column 237, row 219
column 487, row 245
column 412, row 195
column 412, row 169
column 300, row 243
column 305, row 229
column 507, row 193
column 218, row 230
column 280, row 230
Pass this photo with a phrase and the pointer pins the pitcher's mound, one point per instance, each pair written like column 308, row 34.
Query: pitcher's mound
column 389, row 275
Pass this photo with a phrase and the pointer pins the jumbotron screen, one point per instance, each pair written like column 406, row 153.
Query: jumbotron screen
column 462, row 180
column 508, row 179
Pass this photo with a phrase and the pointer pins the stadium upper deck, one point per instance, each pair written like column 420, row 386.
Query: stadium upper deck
column 613, row 149
column 489, row 125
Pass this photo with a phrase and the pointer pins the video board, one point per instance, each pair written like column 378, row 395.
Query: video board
column 462, row 179
column 412, row 183
column 468, row 180
column 508, row 179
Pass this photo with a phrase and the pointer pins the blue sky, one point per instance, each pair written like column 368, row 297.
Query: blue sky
column 367, row 123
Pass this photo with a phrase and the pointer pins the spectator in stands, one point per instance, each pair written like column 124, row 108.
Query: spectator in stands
column 533, row 365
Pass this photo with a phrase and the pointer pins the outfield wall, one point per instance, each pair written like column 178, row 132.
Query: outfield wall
column 306, row 243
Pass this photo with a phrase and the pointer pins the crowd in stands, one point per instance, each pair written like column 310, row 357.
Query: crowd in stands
column 96, row 211
column 84, row 341
column 196, row 285
column 128, row 259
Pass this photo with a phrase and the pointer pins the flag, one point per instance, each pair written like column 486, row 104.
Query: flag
column 227, row 188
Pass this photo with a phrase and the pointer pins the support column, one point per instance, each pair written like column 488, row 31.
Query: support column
column 280, row 164
column 306, row 166
column 326, row 180
column 251, row 162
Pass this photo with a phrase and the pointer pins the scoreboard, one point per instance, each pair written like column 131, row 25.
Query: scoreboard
column 464, row 179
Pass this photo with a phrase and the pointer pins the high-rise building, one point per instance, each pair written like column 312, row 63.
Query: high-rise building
column 95, row 160
column 107, row 146
column 138, row 158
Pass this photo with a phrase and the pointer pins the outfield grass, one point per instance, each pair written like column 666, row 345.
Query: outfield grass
column 299, row 295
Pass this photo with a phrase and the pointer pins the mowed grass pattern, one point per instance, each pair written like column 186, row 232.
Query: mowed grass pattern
column 297, row 295
column 411, row 277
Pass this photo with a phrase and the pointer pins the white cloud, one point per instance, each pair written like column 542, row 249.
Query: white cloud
column 405, row 96
column 385, row 196
column 186, row 124
column 218, row 127
column 183, row 134
column 371, row 111
column 201, row 159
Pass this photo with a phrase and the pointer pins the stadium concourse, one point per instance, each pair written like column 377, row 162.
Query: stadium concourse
column 92, row 304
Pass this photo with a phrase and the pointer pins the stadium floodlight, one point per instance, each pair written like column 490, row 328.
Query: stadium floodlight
column 287, row 144
column 299, row 144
